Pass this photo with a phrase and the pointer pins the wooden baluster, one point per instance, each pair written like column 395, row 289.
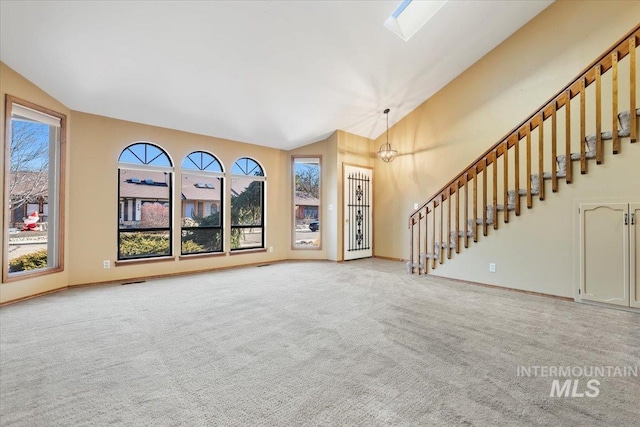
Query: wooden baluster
column 529, row 195
column 411, row 223
column 441, row 249
column 485, row 228
column 554, row 148
column 505, row 180
column 419, row 245
column 426, row 239
column 567, row 106
column 632, row 88
column 583, row 135
column 466, row 211
column 517, row 171
column 433, row 236
column 614, row 100
column 457, row 239
column 449, row 191
column 541, row 155
column 599, row 148
column 495, row 189
column 475, row 203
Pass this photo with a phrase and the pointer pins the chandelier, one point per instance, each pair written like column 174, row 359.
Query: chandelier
column 386, row 153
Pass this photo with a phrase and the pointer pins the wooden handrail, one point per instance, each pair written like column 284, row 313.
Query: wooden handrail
column 589, row 75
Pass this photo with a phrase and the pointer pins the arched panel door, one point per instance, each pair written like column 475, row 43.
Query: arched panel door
column 604, row 253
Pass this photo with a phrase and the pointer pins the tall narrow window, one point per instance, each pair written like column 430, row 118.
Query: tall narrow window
column 144, row 193
column 35, row 140
column 247, row 205
column 202, row 204
column 306, row 202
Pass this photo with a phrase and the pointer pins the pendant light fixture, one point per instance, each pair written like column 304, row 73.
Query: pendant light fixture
column 386, row 153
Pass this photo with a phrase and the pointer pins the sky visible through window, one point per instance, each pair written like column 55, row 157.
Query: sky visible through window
column 144, row 154
column 29, row 145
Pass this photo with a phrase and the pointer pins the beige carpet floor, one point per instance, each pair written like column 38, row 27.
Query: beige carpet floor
column 310, row 344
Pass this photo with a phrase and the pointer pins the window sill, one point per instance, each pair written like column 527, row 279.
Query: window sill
column 28, row 274
column 247, row 251
column 198, row 256
column 124, row 262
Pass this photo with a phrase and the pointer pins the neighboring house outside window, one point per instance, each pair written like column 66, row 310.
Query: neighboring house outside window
column 23, row 184
column 202, row 204
column 306, row 206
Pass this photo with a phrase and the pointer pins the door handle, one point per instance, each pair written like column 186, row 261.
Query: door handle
column 633, row 219
column 626, row 219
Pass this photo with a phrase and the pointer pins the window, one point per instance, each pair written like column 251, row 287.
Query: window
column 34, row 172
column 247, row 205
column 202, row 204
column 145, row 200
column 306, row 202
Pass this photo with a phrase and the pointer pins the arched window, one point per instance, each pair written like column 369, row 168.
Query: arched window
column 145, row 198
column 247, row 204
column 202, row 204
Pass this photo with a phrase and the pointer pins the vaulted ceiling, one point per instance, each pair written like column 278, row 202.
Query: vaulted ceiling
column 275, row 73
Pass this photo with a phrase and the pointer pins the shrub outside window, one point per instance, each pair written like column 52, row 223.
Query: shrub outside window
column 247, row 205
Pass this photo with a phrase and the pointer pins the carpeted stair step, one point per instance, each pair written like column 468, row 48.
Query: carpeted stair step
column 523, row 192
column 547, row 175
column 479, row 221
column 510, row 207
column 452, row 236
column 624, row 119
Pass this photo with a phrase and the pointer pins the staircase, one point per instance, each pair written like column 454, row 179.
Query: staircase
column 530, row 155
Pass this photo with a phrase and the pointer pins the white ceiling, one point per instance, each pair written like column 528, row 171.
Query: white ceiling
column 275, row 73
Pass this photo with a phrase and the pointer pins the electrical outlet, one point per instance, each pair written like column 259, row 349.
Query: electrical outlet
column 492, row 267
column 415, row 206
column 106, row 263
column 270, row 248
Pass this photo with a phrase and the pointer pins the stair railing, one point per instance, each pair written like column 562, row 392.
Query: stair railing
column 426, row 223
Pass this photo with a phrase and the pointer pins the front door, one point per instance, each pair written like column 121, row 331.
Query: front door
column 358, row 208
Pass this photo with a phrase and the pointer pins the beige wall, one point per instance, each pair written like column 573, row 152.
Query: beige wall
column 333, row 212
column 97, row 143
column 448, row 131
column 12, row 83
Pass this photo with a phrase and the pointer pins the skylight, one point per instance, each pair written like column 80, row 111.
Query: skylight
column 411, row 15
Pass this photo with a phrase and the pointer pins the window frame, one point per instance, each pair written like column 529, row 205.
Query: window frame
column 293, row 201
column 262, row 178
column 142, row 167
column 57, row 229
column 202, row 172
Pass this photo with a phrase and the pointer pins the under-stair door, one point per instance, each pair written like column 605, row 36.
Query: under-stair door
column 358, row 208
column 634, row 254
column 608, row 253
